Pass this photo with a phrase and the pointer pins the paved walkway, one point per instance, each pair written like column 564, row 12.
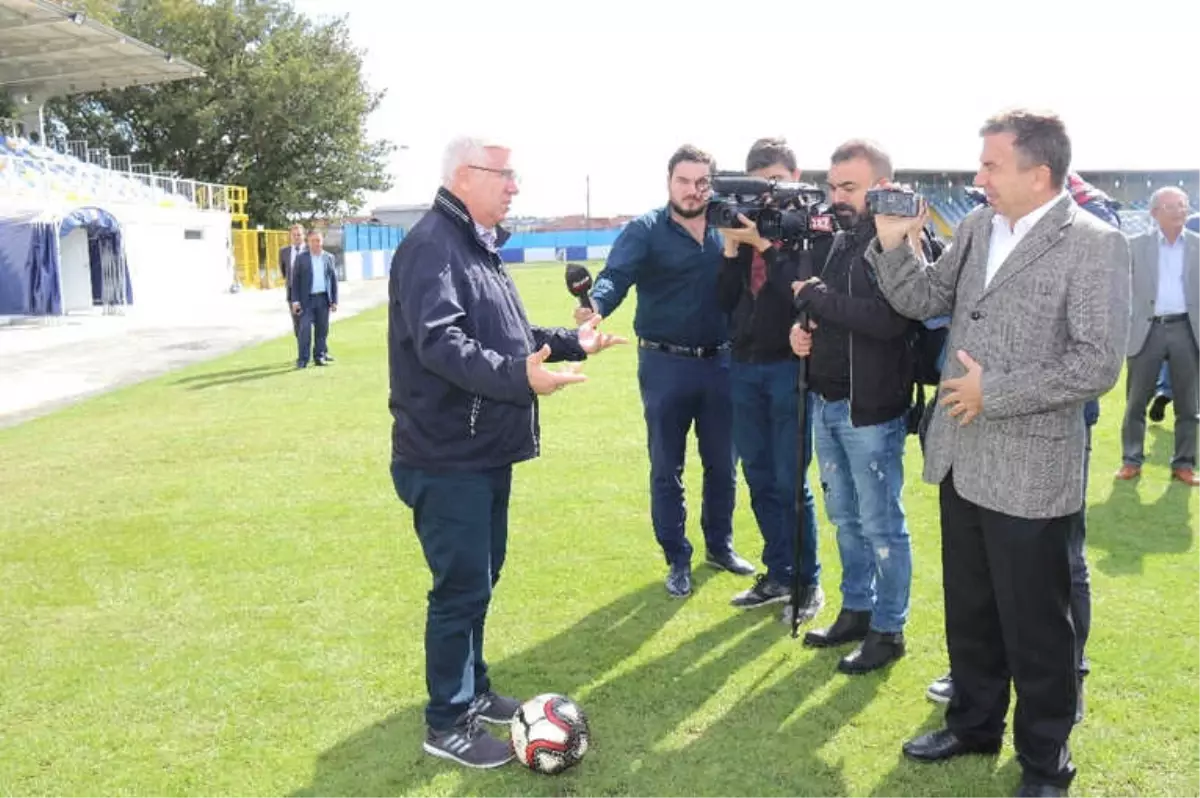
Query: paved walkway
column 47, row 363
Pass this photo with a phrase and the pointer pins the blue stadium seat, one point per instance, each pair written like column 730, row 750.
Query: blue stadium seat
column 37, row 172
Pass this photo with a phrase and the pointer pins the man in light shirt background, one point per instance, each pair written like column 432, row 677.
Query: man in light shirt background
column 1163, row 326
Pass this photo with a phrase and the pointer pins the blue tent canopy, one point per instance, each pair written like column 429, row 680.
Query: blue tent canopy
column 31, row 259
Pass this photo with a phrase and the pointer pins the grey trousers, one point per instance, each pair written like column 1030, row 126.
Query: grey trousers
column 1173, row 342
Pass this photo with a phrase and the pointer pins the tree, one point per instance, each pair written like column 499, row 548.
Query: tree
column 282, row 109
column 99, row 10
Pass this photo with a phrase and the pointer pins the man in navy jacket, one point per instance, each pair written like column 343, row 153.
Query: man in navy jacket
column 466, row 368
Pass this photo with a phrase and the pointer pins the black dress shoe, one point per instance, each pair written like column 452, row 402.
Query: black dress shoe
column 877, row 650
column 1158, row 408
column 851, row 625
column 1037, row 788
column 730, row 562
column 945, row 744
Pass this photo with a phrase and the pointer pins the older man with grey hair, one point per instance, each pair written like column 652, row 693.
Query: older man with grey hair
column 466, row 370
column 1164, row 324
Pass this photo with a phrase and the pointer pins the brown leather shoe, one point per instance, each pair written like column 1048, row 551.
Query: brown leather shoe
column 1186, row 475
column 1128, row 471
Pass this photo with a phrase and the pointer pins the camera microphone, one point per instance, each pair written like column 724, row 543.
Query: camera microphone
column 579, row 283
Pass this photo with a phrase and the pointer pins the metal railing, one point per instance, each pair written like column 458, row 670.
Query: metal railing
column 107, row 173
column 87, row 182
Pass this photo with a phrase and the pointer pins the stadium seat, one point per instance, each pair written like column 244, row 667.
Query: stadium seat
column 32, row 170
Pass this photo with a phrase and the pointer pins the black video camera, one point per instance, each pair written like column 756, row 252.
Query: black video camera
column 894, row 202
column 780, row 211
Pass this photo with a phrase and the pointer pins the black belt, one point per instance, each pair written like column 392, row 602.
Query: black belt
column 683, row 351
column 1168, row 318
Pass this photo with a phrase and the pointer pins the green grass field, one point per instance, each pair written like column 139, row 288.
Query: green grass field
column 209, row 587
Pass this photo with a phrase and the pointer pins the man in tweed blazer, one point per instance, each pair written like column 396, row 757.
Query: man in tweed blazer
column 1039, row 296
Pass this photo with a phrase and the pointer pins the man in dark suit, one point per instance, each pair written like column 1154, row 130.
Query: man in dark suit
column 314, row 293
column 287, row 258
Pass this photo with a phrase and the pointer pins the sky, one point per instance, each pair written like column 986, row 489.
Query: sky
column 609, row 93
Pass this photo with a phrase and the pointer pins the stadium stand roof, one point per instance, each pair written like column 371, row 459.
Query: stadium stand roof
column 47, row 50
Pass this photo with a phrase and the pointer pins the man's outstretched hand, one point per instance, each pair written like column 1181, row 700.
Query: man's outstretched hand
column 542, row 380
column 592, row 340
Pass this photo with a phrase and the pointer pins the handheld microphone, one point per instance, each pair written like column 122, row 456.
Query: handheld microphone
column 579, row 283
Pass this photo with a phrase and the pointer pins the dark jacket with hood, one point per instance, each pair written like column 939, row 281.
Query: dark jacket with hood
column 861, row 346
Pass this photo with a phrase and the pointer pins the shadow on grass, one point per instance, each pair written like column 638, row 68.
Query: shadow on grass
column 201, row 381
column 967, row 775
column 386, row 758
column 679, row 724
column 217, row 375
column 1128, row 531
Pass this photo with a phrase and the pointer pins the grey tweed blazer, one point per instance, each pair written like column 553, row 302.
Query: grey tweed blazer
column 1144, row 249
column 1049, row 331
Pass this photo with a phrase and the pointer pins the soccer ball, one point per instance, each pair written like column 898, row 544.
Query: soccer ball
column 550, row 733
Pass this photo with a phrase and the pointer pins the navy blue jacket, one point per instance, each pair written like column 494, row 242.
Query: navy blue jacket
column 458, row 338
column 300, row 287
column 676, row 279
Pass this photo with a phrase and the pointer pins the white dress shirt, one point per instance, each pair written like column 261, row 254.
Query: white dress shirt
column 1171, row 297
column 292, row 264
column 1005, row 238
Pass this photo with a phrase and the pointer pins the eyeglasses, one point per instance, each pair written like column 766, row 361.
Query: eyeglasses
column 507, row 174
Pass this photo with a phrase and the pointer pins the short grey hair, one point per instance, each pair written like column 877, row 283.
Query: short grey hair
column 461, row 151
column 1158, row 195
column 1039, row 139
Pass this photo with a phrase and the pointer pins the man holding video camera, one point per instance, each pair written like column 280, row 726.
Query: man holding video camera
column 1039, row 296
column 861, row 377
column 755, row 288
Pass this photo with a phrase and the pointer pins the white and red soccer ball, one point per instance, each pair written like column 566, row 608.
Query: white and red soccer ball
column 550, row 733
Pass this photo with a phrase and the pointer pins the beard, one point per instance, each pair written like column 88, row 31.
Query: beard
column 848, row 217
column 685, row 213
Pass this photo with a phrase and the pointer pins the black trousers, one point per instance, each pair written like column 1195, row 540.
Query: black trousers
column 1007, row 584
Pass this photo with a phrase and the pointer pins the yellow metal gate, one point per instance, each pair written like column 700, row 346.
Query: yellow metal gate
column 256, row 257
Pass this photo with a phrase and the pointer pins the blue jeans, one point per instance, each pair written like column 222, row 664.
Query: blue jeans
column 677, row 392
column 765, row 423
column 462, row 523
column 862, row 474
column 1163, row 386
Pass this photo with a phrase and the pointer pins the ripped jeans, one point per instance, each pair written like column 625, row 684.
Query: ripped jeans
column 862, row 476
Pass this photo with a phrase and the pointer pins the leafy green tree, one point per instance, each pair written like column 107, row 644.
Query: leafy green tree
column 99, row 10
column 282, row 108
